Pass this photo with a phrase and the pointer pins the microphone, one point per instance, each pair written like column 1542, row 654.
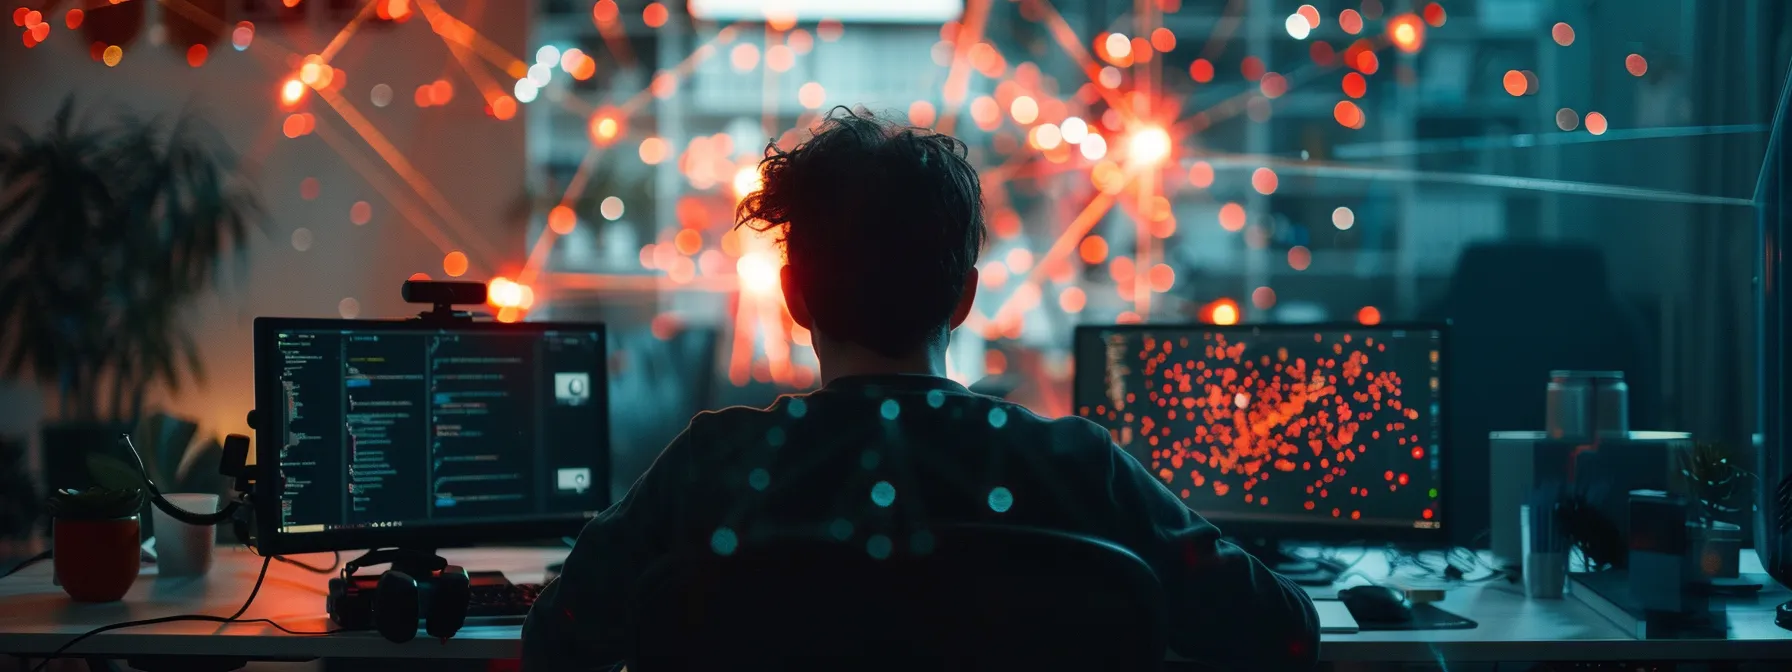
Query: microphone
column 234, row 445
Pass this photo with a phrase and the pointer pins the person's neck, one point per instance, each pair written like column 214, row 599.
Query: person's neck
column 843, row 360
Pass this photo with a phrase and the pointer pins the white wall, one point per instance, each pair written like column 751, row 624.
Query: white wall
column 475, row 161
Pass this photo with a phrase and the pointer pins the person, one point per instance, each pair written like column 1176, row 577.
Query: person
column 881, row 226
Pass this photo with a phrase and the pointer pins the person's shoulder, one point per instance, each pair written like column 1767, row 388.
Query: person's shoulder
column 724, row 428
column 1066, row 435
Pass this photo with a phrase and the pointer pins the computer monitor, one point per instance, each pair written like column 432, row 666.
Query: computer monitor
column 1303, row 432
column 425, row 435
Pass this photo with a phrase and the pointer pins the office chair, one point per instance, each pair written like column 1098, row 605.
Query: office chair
column 1517, row 311
column 970, row 597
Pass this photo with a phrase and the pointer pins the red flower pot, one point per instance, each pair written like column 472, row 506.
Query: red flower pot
column 97, row 560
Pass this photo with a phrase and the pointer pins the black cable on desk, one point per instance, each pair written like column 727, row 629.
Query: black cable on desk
column 27, row 563
column 335, row 562
column 205, row 618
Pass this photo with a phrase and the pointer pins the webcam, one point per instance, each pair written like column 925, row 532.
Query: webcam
column 444, row 296
column 444, row 293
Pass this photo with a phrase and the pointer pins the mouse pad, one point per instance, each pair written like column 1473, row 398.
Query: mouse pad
column 1424, row 617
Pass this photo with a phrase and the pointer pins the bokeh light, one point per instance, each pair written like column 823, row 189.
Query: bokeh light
column 1515, row 83
column 1232, row 217
column 1264, row 181
column 454, row 264
column 1223, row 313
column 1148, row 146
column 1200, row 175
column 1562, row 33
column 1093, row 250
column 360, row 213
column 811, row 95
column 1299, row 258
column 1596, row 123
column 1297, row 26
column 1567, row 119
column 562, row 220
column 1407, row 32
column 1263, row 298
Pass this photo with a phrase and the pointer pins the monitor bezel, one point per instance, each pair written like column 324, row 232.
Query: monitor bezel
column 271, row 541
column 1319, row 531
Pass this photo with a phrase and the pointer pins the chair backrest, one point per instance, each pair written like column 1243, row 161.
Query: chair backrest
column 969, row 597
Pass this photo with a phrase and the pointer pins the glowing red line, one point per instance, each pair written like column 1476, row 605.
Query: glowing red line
column 958, row 78
column 773, row 337
column 617, row 41
column 1072, row 236
column 1141, row 283
column 409, row 173
column 1228, row 24
column 1339, row 171
column 740, row 357
column 194, row 13
column 538, row 256
column 492, row 53
column 1072, row 45
column 393, row 195
column 678, row 72
column 489, row 89
column 341, row 38
column 1230, row 107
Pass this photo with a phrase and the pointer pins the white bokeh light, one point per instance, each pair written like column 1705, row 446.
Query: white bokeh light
column 1298, row 27
column 547, row 55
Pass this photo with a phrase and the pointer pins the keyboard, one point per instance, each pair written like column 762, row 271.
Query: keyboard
column 492, row 599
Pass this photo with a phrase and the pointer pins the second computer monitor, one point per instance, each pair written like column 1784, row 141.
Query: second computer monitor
column 1300, row 431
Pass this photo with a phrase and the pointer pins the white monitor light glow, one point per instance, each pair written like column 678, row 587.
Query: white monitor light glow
column 846, row 11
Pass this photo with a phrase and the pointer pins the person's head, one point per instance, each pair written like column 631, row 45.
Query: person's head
column 881, row 225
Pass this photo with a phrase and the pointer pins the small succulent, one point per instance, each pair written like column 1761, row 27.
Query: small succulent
column 96, row 504
column 1715, row 480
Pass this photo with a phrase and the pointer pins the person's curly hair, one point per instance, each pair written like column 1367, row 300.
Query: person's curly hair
column 880, row 222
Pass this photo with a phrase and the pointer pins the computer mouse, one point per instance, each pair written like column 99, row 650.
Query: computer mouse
column 1782, row 616
column 1376, row 604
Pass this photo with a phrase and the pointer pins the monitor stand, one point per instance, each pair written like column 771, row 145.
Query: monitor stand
column 1302, row 571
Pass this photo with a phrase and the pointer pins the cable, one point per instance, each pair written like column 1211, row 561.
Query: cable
column 161, row 502
column 335, row 562
column 27, row 563
column 203, row 618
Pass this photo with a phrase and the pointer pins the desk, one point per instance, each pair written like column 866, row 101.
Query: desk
column 36, row 617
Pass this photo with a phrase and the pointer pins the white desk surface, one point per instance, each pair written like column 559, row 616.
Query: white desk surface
column 36, row 617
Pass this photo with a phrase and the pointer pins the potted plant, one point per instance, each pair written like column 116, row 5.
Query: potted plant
column 1718, row 491
column 109, row 231
column 96, row 549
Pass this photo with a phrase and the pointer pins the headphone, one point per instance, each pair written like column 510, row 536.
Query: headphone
column 439, row 600
column 417, row 587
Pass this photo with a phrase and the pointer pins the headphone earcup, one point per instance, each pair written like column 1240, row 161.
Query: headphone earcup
column 396, row 607
column 449, row 595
